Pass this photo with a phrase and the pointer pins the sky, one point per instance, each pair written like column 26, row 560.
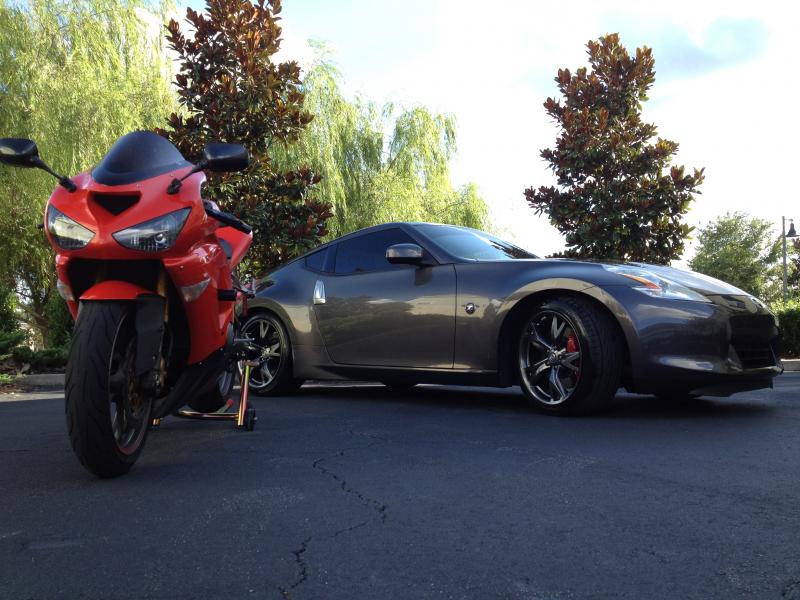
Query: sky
column 726, row 87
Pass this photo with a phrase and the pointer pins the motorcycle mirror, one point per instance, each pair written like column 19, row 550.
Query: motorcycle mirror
column 22, row 152
column 225, row 157
column 19, row 152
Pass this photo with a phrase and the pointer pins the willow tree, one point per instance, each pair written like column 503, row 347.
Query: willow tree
column 379, row 164
column 76, row 75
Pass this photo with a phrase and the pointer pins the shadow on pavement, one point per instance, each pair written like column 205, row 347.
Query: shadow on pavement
column 511, row 399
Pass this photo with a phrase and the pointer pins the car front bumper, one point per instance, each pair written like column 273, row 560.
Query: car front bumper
column 712, row 348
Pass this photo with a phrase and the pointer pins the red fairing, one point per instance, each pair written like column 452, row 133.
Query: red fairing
column 114, row 290
column 195, row 257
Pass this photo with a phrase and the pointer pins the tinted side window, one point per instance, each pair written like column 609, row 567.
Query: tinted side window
column 316, row 261
column 368, row 252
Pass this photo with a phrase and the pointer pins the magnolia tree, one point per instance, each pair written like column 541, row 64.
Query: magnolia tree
column 232, row 90
column 617, row 194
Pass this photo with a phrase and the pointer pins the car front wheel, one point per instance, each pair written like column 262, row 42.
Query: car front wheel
column 569, row 357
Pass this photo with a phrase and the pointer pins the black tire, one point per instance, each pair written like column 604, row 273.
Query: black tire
column 250, row 419
column 107, row 419
column 583, row 376
column 216, row 397
column 274, row 376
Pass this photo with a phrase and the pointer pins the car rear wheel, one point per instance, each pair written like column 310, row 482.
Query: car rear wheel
column 569, row 357
column 273, row 376
column 217, row 396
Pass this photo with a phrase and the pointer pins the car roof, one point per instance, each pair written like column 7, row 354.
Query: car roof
column 405, row 225
column 365, row 230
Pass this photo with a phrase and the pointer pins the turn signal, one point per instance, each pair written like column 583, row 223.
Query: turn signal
column 64, row 291
column 192, row 292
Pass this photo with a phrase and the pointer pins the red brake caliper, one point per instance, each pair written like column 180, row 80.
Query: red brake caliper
column 572, row 346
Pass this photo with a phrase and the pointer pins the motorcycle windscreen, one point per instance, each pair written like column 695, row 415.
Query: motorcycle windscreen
column 138, row 156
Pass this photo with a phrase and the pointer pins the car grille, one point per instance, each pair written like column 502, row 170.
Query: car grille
column 754, row 357
column 754, row 338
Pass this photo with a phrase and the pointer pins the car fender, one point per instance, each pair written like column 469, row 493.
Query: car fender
column 591, row 290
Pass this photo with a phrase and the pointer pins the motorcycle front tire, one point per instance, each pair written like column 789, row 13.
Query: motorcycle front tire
column 107, row 418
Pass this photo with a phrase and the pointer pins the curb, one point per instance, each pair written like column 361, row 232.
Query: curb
column 791, row 364
column 42, row 380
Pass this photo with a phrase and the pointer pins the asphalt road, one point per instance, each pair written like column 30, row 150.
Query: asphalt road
column 362, row 493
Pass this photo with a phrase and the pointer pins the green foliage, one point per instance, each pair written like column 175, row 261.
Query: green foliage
column 379, row 165
column 10, row 332
column 740, row 250
column 231, row 90
column 59, row 322
column 617, row 196
column 76, row 75
column 10, row 339
column 41, row 360
column 789, row 322
column 793, row 267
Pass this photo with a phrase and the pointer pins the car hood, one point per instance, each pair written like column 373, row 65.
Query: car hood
column 696, row 281
column 703, row 284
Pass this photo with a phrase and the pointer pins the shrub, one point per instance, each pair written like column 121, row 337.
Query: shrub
column 59, row 323
column 10, row 333
column 9, row 339
column 789, row 318
column 41, row 360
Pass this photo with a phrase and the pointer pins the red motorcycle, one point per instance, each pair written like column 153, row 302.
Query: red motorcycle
column 146, row 268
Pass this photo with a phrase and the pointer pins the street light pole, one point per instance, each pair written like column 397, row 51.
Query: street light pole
column 791, row 234
column 783, row 238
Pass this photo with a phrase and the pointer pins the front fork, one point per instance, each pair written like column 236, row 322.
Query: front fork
column 245, row 352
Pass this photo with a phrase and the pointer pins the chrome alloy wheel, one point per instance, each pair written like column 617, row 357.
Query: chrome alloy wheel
column 550, row 357
column 265, row 334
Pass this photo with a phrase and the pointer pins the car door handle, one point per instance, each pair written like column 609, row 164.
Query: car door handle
column 319, row 292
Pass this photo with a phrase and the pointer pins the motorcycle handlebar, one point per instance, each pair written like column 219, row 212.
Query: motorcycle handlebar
column 228, row 219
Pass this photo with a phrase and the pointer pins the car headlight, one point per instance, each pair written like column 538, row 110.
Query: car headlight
column 655, row 285
column 156, row 235
column 68, row 234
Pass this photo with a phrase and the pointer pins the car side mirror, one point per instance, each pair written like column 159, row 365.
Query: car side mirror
column 405, row 254
column 19, row 152
column 226, row 158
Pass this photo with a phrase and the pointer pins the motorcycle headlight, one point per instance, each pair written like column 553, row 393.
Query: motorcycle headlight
column 68, row 234
column 156, row 235
column 655, row 285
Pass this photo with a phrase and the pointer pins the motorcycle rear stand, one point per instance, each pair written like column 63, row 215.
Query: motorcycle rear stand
column 245, row 416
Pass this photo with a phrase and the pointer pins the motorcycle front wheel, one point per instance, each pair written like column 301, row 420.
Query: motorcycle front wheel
column 107, row 418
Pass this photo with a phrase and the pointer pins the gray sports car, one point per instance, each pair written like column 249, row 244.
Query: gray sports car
column 408, row 303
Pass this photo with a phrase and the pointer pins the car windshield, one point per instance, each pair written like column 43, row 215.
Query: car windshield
column 471, row 244
column 138, row 156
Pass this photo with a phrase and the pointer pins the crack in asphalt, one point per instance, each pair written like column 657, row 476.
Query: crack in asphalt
column 380, row 508
column 348, row 489
column 301, row 564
